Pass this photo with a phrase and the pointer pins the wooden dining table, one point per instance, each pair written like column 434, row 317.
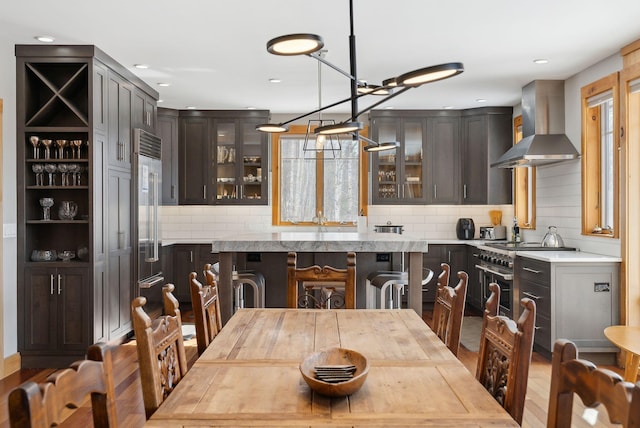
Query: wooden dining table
column 249, row 375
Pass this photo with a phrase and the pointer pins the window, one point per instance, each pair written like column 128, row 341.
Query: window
column 524, row 185
column 600, row 157
column 310, row 186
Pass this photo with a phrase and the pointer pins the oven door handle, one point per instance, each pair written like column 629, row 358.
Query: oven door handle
column 505, row 276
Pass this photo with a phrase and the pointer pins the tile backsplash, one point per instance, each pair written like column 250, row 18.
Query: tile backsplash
column 196, row 222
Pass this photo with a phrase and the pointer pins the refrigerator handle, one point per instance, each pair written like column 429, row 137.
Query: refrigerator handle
column 154, row 255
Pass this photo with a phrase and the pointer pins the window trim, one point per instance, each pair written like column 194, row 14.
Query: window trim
column 591, row 157
column 522, row 186
column 363, row 184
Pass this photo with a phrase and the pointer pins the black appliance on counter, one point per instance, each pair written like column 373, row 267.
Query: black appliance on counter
column 465, row 229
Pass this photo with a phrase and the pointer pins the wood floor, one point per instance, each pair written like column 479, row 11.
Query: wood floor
column 131, row 409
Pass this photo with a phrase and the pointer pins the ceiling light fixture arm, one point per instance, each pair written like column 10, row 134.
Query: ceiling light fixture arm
column 376, row 104
column 318, row 56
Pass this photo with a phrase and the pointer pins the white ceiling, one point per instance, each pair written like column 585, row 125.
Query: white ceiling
column 213, row 52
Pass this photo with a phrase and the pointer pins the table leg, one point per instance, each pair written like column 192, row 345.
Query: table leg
column 225, row 286
column 631, row 367
column 414, row 300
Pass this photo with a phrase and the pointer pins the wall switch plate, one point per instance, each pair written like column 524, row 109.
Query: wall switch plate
column 601, row 287
column 9, row 230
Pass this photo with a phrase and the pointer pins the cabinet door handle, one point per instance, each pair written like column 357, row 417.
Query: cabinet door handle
column 531, row 270
column 531, row 296
column 191, row 256
column 173, row 191
column 51, row 283
column 435, row 191
column 464, row 191
column 120, row 240
column 204, row 192
column 449, row 256
column 59, row 284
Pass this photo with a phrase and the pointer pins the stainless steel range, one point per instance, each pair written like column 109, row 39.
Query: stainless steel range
column 495, row 264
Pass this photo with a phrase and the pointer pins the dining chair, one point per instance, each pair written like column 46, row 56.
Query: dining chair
column 329, row 279
column 449, row 311
column 206, row 308
column 443, row 281
column 45, row 404
column 160, row 347
column 505, row 355
column 595, row 386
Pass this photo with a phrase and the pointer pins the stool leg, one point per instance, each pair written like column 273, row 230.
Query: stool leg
column 398, row 288
column 241, row 294
column 236, row 292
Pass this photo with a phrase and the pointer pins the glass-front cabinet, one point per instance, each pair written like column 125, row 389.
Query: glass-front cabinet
column 398, row 176
column 239, row 156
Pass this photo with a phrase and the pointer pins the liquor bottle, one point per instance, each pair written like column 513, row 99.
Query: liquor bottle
column 516, row 230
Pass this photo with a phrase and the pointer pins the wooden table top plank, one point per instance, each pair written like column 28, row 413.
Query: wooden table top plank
column 249, row 375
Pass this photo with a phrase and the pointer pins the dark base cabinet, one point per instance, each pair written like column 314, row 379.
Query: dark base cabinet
column 74, row 132
column 188, row 258
column 455, row 255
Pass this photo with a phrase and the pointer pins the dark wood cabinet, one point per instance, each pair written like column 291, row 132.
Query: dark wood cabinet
column 399, row 175
column 486, row 135
column 119, row 121
column 444, row 156
column 475, row 298
column 188, row 258
column 167, row 129
column 455, row 255
column 443, row 162
column 120, row 262
column 223, row 160
column 193, row 146
column 66, row 94
column 144, row 111
column 56, row 321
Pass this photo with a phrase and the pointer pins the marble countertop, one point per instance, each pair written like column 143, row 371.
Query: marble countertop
column 568, row 257
column 319, row 242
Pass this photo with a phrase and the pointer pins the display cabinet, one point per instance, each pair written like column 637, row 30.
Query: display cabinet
column 73, row 126
column 399, row 174
column 223, row 160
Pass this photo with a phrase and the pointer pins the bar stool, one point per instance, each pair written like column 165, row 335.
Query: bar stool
column 379, row 282
column 240, row 279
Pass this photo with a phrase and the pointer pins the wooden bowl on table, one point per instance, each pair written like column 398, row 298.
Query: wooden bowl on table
column 335, row 357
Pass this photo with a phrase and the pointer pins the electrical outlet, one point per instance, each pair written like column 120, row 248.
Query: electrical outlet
column 601, row 287
column 383, row 257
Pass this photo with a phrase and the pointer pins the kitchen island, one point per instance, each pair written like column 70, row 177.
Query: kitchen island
column 318, row 242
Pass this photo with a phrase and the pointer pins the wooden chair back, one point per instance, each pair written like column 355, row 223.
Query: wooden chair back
column 449, row 307
column 505, row 356
column 46, row 404
column 594, row 386
column 443, row 278
column 206, row 308
column 160, row 346
column 296, row 275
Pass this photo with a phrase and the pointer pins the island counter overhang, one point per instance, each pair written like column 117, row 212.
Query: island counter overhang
column 371, row 242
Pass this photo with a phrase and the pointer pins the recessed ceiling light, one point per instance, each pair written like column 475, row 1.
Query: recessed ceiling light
column 540, row 61
column 447, row 107
column 160, row 101
column 45, row 39
column 142, row 66
column 274, row 80
column 389, row 107
column 164, row 84
column 191, row 107
column 481, row 100
column 251, row 108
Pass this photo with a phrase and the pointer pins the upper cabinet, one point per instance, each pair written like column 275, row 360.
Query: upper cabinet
column 444, row 156
column 223, row 160
column 486, row 135
column 144, row 111
column 167, row 129
column 399, row 174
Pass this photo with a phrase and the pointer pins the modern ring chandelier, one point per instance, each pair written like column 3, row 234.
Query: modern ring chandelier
column 311, row 44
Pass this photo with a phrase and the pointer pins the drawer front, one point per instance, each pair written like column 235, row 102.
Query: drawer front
column 542, row 335
column 533, row 270
column 539, row 294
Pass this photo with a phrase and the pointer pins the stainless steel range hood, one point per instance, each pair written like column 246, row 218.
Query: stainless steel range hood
column 544, row 141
